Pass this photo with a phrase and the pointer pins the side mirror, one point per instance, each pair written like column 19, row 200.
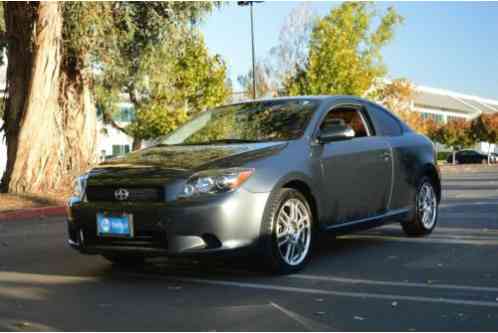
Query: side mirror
column 336, row 132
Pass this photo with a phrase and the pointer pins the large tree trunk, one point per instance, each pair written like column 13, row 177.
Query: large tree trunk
column 50, row 121
column 19, row 24
column 80, row 123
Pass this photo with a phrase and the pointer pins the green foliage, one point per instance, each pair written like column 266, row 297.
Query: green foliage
column 155, row 119
column 159, row 61
column 443, row 155
column 344, row 52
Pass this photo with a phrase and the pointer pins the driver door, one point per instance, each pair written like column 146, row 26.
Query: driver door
column 356, row 172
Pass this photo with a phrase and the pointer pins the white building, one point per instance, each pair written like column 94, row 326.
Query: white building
column 443, row 105
column 112, row 141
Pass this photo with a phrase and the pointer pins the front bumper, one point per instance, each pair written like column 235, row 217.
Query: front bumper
column 184, row 227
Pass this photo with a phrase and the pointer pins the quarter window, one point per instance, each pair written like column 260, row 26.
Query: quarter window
column 385, row 122
column 351, row 117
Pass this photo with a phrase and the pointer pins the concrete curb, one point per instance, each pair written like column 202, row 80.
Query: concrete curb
column 25, row 214
column 449, row 168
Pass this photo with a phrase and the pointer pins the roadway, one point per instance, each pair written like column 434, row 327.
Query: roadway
column 374, row 280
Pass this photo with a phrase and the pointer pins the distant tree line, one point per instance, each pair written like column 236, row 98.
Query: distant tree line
column 340, row 53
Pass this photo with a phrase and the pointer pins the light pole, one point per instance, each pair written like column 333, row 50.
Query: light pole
column 250, row 4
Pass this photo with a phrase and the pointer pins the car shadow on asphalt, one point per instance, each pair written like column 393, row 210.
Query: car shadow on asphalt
column 241, row 266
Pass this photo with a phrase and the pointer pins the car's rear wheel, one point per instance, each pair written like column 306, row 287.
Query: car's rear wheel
column 288, row 227
column 425, row 214
column 125, row 259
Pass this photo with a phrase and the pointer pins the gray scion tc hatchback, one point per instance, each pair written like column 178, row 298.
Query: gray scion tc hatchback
column 265, row 176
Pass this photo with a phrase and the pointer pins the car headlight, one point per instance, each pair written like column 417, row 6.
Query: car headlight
column 80, row 186
column 216, row 181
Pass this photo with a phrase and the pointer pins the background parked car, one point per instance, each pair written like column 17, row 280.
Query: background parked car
column 493, row 158
column 468, row 156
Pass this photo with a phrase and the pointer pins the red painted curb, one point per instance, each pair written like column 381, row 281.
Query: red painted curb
column 30, row 213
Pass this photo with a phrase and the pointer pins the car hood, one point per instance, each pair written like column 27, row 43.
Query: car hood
column 160, row 164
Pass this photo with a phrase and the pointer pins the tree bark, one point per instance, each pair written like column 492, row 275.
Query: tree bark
column 80, row 122
column 19, row 24
column 137, row 144
column 50, row 119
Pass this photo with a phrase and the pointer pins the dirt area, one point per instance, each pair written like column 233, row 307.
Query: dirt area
column 11, row 202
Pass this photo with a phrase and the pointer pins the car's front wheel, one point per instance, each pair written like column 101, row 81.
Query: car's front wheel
column 425, row 214
column 288, row 227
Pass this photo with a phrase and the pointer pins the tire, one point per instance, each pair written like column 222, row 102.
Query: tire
column 283, row 259
column 125, row 259
column 418, row 224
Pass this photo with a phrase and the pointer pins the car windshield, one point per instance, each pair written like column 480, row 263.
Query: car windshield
column 246, row 122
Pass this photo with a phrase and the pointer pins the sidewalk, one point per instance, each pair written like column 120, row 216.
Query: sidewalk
column 450, row 168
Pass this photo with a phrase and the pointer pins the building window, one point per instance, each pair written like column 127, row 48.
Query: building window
column 120, row 150
column 438, row 118
column 451, row 118
column 125, row 114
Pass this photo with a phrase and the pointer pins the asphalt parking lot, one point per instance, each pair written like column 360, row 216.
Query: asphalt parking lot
column 375, row 280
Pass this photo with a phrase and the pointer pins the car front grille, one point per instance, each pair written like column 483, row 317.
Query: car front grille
column 135, row 194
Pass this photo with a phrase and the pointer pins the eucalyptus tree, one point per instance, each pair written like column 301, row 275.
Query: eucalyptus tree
column 54, row 51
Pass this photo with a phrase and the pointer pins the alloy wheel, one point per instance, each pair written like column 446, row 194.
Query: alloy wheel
column 427, row 205
column 293, row 231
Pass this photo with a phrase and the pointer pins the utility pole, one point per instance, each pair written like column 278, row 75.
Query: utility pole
column 250, row 4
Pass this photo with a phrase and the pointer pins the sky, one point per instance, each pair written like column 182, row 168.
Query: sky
column 446, row 45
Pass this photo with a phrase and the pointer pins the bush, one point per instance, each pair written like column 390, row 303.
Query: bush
column 443, row 155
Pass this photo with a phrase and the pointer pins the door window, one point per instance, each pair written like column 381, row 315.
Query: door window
column 350, row 116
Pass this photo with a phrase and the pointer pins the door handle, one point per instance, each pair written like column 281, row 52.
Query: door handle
column 386, row 156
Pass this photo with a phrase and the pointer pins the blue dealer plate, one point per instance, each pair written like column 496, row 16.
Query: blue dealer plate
column 112, row 224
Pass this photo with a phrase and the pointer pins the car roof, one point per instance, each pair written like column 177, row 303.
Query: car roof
column 321, row 98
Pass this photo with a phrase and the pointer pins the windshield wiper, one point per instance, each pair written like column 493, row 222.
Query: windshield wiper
column 220, row 141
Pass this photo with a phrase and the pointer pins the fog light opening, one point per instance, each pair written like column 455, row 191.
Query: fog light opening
column 212, row 242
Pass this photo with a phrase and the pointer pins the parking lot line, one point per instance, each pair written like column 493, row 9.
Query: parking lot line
column 310, row 325
column 392, row 283
column 362, row 295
